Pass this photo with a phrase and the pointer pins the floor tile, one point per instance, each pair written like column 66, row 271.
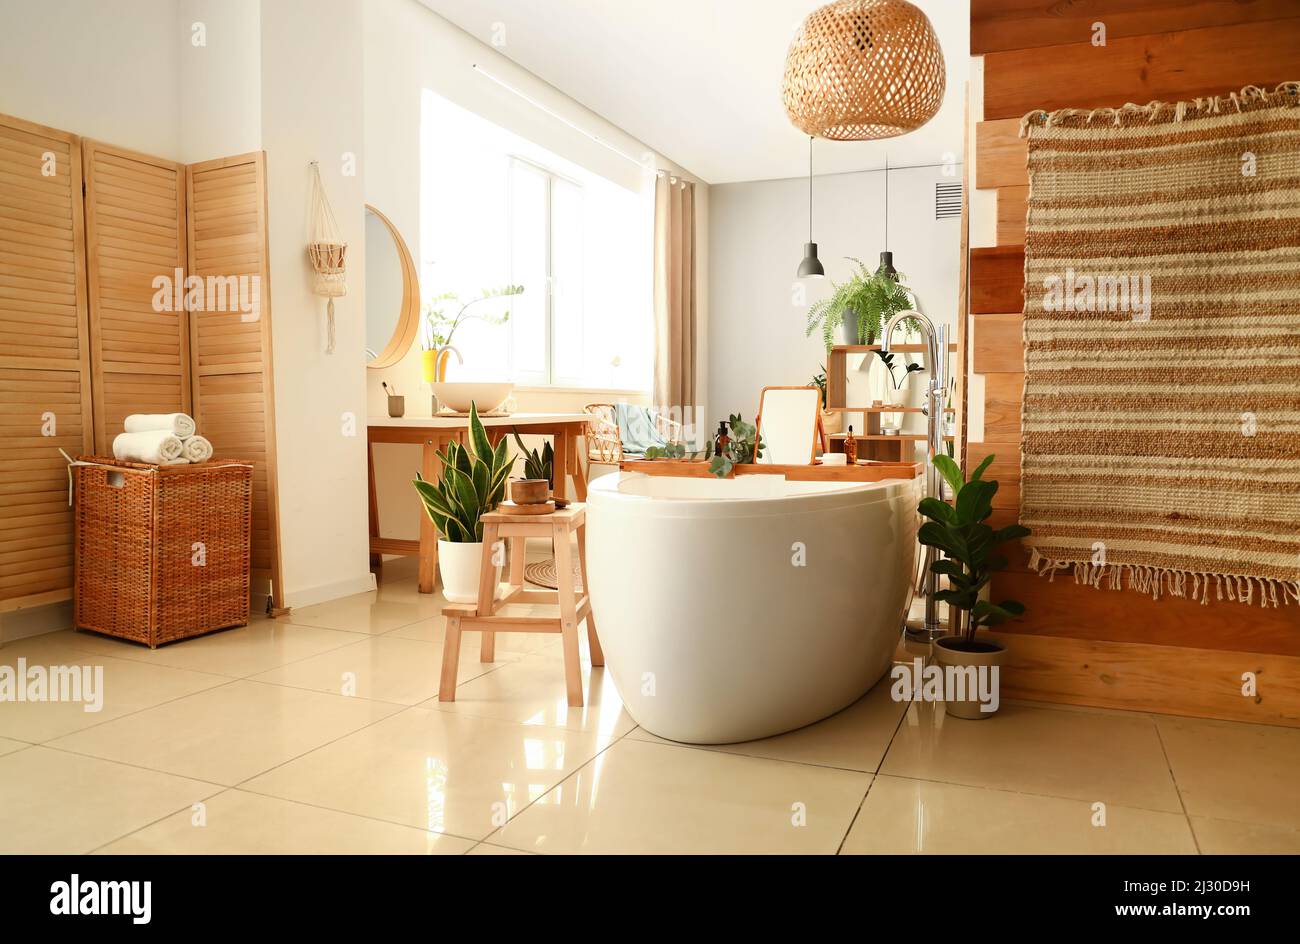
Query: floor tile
column 434, row 629
column 386, row 668
column 366, row 612
column 257, row 647
column 1235, row 771
column 1094, row 757
column 227, row 734
column 124, row 687
column 854, row 739
column 235, row 822
column 663, row 798
column 434, row 770
column 8, row 747
column 532, row 691
column 55, row 802
column 903, row 816
column 1225, row 837
column 486, row 848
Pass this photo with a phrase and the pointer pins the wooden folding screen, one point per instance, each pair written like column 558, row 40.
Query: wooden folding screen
column 234, row 403
column 98, row 320
column 139, row 336
column 45, row 390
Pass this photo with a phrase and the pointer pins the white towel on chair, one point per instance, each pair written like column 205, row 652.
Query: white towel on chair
column 178, row 424
column 196, row 449
column 155, row 447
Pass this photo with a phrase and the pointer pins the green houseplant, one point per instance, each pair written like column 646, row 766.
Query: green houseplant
column 862, row 305
column 970, row 559
column 538, row 465
column 473, row 482
column 743, row 447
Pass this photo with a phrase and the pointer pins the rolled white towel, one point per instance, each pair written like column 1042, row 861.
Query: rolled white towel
column 196, row 449
column 178, row 424
column 156, row 447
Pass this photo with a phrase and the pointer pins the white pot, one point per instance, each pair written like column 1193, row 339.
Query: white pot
column 459, row 565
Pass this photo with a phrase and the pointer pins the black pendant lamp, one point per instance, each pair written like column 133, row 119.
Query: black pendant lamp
column 887, row 257
column 811, row 266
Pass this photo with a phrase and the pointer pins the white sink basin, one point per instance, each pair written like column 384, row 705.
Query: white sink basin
column 458, row 396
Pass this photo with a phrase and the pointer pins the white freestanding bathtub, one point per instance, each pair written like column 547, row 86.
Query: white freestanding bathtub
column 733, row 609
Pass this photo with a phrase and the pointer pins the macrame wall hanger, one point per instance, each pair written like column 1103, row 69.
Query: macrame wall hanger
column 328, row 252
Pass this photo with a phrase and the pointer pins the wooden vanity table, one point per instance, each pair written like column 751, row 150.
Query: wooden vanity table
column 433, row 434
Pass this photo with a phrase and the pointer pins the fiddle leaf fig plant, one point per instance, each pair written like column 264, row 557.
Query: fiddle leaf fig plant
column 968, row 543
column 473, row 482
column 743, row 447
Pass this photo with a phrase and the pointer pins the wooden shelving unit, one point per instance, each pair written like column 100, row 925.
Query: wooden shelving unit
column 872, row 443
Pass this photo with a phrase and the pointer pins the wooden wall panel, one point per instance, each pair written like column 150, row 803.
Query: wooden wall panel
column 234, row 399
column 1001, row 155
column 1177, row 679
column 45, row 389
column 1165, row 67
column 998, row 25
column 997, row 277
column 997, row 344
column 135, row 233
column 1003, row 393
column 1013, row 208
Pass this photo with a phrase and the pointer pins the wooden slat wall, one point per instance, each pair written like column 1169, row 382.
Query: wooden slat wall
column 1180, row 64
column 135, row 232
column 234, row 401
column 1079, row 644
column 44, row 358
column 998, row 25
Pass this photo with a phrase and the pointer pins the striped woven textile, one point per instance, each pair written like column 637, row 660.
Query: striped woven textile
column 1161, row 419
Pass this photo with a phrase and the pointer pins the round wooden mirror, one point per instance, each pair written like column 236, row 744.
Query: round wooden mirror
column 392, row 292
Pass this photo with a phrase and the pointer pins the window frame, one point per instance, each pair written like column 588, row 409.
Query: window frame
column 548, row 377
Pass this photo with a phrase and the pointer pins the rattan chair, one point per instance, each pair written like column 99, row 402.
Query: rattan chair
column 605, row 445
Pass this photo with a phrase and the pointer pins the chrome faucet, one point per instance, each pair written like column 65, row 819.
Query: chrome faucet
column 936, row 347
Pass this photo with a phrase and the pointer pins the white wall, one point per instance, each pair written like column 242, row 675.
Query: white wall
column 107, row 71
column 220, row 78
column 758, row 308
column 311, row 106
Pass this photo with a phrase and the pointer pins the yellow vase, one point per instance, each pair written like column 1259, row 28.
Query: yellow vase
column 433, row 365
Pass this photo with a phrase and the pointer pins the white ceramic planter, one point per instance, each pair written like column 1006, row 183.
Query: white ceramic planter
column 459, row 565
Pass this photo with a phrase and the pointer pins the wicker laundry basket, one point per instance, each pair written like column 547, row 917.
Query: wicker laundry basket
column 162, row 552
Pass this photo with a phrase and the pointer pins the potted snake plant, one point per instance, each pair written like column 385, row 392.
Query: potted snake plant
column 473, row 482
column 969, row 545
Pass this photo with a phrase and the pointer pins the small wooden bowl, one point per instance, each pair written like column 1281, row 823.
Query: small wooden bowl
column 529, row 491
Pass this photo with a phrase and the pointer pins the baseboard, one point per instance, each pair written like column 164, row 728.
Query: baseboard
column 294, row 599
column 35, row 621
column 1176, row 680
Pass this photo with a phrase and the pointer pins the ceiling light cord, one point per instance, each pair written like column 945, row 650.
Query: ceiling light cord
column 810, row 185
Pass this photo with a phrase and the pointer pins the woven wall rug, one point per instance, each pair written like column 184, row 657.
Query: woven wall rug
column 1161, row 416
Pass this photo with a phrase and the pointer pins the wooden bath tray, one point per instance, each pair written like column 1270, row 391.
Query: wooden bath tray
column 694, row 468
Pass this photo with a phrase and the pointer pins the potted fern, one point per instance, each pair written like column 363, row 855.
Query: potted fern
column 861, row 306
column 969, row 544
column 473, row 482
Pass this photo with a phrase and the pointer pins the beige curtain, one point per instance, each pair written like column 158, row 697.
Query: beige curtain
column 674, row 295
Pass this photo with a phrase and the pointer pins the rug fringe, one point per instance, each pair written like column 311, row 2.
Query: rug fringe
column 1187, row 584
column 1252, row 96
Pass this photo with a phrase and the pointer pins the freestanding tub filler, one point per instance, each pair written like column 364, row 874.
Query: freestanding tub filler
column 734, row 609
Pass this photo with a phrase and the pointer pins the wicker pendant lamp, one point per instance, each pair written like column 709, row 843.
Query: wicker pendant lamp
column 858, row 70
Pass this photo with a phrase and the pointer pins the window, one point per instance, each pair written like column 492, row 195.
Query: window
column 497, row 209
column 546, row 256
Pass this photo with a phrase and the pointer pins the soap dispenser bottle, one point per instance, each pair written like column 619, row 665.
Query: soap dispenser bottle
column 720, row 441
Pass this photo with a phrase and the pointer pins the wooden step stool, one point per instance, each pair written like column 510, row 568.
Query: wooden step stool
column 491, row 615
